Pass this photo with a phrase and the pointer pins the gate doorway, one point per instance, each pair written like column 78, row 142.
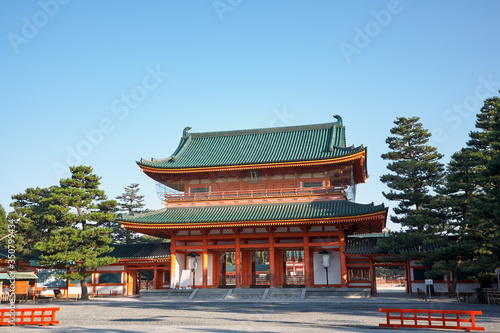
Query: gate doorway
column 390, row 279
column 144, row 280
column 293, row 268
column 227, row 269
column 259, row 270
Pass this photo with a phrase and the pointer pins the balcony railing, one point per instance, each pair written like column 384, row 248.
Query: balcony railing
column 257, row 193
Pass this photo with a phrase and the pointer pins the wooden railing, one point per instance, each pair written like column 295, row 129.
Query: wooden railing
column 257, row 193
column 28, row 316
column 440, row 319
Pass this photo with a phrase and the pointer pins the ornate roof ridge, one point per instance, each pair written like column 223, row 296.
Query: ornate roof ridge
column 253, row 147
column 280, row 129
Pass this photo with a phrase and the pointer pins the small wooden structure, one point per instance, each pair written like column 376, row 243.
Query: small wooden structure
column 441, row 319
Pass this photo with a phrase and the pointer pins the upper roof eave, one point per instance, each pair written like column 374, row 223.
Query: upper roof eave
column 255, row 148
column 348, row 157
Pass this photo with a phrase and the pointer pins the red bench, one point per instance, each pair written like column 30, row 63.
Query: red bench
column 421, row 318
column 29, row 316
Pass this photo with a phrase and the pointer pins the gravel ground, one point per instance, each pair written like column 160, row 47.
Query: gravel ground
column 123, row 314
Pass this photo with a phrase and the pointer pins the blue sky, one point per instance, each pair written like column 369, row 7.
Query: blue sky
column 104, row 83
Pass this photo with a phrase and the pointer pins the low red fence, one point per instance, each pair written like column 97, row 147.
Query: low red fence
column 441, row 319
column 29, row 316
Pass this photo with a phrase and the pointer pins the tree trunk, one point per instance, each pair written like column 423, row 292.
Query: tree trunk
column 454, row 282
column 83, row 284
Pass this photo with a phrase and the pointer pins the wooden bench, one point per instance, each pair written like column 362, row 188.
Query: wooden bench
column 493, row 296
column 441, row 319
column 29, row 316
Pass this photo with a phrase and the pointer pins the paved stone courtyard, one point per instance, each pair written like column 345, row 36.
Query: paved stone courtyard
column 125, row 314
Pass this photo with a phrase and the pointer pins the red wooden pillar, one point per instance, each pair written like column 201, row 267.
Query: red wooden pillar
column 215, row 268
column 272, row 261
column 205, row 260
column 172, row 259
column 238, row 261
column 246, row 260
column 343, row 263
column 156, row 278
column 373, row 277
column 308, row 269
column 280, row 267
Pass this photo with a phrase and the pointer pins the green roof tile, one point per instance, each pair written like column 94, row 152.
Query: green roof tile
column 140, row 251
column 255, row 212
column 258, row 146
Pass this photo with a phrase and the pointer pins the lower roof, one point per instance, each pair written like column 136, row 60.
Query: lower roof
column 255, row 214
column 140, row 251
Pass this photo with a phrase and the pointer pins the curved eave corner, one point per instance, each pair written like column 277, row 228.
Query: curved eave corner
column 181, row 148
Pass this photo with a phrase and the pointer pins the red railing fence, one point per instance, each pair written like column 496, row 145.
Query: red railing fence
column 28, row 316
column 424, row 318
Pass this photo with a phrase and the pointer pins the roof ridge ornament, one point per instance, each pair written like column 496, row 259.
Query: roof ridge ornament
column 187, row 139
column 339, row 120
column 185, row 133
column 332, row 138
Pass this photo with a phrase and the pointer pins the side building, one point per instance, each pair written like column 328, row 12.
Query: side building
column 261, row 207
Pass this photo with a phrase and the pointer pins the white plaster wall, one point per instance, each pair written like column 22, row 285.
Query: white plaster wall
column 441, row 287
column 199, row 270
column 415, row 286
column 210, row 269
column 179, row 266
column 78, row 290
column 334, row 276
column 107, row 289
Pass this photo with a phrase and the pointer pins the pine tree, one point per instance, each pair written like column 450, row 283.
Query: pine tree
column 468, row 202
column 486, row 212
column 415, row 173
column 456, row 249
column 34, row 218
column 82, row 240
column 130, row 202
column 4, row 224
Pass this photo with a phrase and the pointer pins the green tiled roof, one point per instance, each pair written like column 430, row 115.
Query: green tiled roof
column 362, row 245
column 141, row 251
column 256, row 212
column 258, row 146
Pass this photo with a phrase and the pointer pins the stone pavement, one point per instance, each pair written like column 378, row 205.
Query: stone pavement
column 333, row 314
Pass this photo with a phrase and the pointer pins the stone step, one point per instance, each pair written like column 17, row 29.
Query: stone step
column 257, row 293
